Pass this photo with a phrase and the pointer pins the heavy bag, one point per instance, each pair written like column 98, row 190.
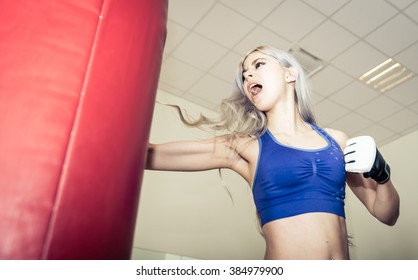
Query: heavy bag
column 77, row 86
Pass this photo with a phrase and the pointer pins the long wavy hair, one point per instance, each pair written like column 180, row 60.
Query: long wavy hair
column 238, row 116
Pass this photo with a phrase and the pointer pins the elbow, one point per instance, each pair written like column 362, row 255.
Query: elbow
column 389, row 213
column 390, row 222
column 395, row 214
column 391, row 219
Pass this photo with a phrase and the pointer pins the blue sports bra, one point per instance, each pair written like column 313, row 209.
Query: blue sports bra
column 290, row 181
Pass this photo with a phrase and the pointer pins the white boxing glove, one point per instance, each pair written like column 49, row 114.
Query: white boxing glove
column 362, row 156
column 359, row 154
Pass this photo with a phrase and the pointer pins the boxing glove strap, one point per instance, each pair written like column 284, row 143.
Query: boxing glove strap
column 380, row 171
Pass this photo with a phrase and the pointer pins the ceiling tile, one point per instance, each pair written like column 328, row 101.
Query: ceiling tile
column 224, row 26
column 175, row 34
column 178, row 74
column 261, row 36
column 327, row 111
column 188, row 12
column 379, row 109
column 328, row 40
column 401, row 120
column 252, row 9
column 400, row 4
column 211, row 89
column 414, row 107
column 409, row 130
column 328, row 80
column 355, row 95
column 199, row 51
column 406, row 93
column 170, row 89
column 361, row 17
column 316, row 98
column 281, row 19
column 226, row 68
column 393, row 36
column 326, row 7
column 409, row 57
column 378, row 132
column 351, row 124
column 197, row 100
column 353, row 60
column 388, row 140
column 412, row 12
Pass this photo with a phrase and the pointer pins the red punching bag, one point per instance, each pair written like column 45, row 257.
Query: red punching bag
column 77, row 86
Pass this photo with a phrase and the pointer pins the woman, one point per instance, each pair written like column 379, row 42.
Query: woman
column 295, row 168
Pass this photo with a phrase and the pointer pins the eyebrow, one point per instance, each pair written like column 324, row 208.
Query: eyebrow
column 253, row 63
column 257, row 60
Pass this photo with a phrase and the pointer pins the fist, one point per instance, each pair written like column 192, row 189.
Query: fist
column 360, row 154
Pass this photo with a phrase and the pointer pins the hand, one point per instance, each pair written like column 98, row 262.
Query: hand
column 362, row 156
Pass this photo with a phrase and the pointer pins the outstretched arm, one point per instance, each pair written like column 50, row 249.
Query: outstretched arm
column 191, row 155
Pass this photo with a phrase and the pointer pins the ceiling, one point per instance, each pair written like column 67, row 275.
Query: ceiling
column 207, row 38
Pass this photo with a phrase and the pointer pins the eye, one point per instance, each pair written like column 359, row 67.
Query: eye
column 258, row 64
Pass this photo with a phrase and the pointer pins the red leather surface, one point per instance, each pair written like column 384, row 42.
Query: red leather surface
column 77, row 85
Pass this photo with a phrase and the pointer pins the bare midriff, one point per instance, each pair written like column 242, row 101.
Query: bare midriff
column 310, row 236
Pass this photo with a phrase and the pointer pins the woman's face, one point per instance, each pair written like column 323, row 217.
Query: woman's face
column 264, row 80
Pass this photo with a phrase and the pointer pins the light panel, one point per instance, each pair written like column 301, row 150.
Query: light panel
column 386, row 75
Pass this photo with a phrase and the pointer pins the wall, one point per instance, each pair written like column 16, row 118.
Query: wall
column 190, row 215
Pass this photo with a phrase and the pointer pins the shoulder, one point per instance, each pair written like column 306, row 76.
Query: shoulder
column 244, row 146
column 244, row 154
column 245, row 143
column 339, row 136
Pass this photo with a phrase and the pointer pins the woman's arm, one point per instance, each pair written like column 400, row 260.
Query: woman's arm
column 381, row 199
column 192, row 155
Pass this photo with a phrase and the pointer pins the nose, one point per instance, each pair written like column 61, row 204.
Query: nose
column 247, row 74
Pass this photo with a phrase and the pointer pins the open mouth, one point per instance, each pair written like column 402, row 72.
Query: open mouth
column 255, row 89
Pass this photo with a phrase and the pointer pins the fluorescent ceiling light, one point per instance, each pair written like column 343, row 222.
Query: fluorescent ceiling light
column 386, row 75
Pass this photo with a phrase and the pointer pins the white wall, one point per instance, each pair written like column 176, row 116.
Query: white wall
column 191, row 215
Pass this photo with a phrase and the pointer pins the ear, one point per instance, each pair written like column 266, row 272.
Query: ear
column 291, row 74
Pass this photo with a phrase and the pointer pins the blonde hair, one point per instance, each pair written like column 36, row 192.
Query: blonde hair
column 238, row 116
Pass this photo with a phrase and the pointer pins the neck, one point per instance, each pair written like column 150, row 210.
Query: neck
column 286, row 119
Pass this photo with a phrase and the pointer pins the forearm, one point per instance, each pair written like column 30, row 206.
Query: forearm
column 168, row 157
column 374, row 188
column 386, row 204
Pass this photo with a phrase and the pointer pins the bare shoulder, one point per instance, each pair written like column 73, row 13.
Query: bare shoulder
column 245, row 154
column 242, row 145
column 246, row 147
column 339, row 136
